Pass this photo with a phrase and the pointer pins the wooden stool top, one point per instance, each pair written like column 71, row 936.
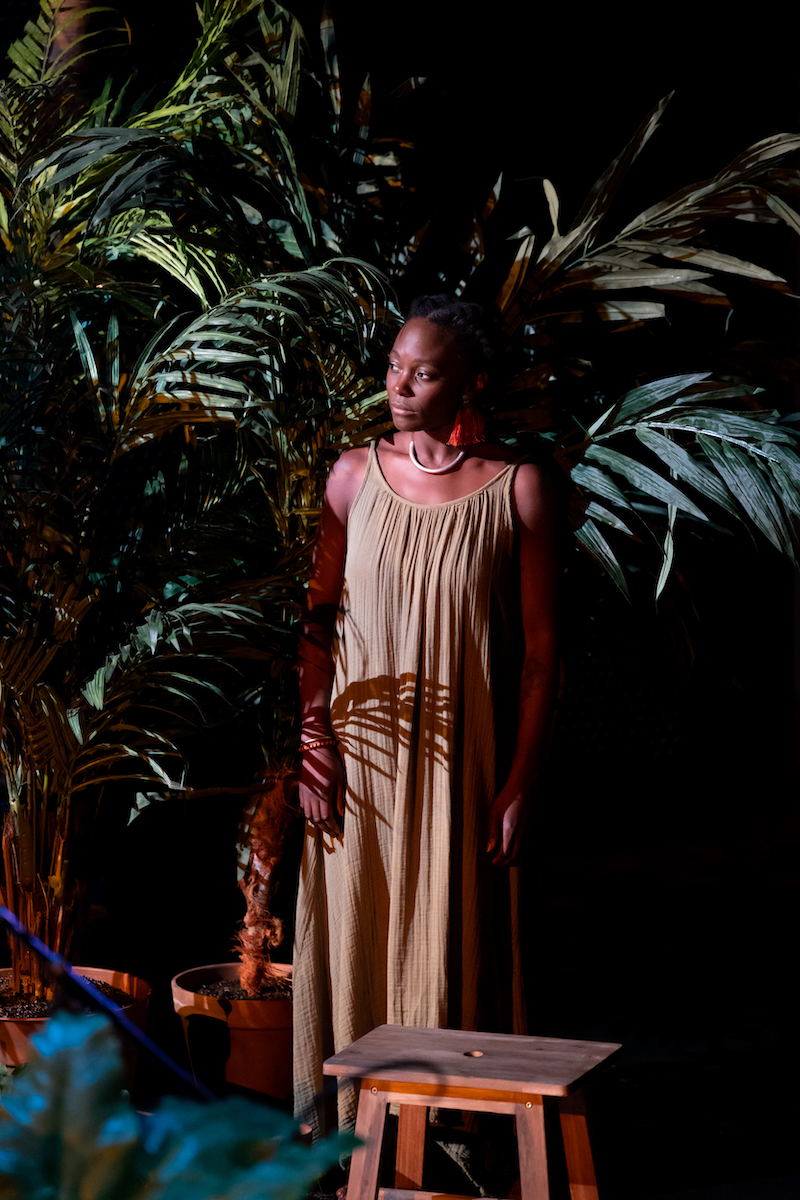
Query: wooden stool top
column 456, row 1057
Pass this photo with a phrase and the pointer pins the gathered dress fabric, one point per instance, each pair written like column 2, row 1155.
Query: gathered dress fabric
column 404, row 920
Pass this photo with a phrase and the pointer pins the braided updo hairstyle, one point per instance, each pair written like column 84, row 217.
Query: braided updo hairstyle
column 473, row 327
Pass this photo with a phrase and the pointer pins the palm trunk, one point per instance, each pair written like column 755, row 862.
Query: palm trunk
column 265, row 826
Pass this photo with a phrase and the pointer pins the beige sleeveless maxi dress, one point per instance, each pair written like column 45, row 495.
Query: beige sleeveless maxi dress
column 404, row 919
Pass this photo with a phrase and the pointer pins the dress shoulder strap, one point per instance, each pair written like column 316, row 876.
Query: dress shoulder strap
column 371, row 474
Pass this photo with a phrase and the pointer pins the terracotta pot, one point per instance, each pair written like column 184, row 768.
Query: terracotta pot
column 15, row 1032
column 259, row 1055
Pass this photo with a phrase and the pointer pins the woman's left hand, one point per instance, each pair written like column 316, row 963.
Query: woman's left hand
column 508, row 818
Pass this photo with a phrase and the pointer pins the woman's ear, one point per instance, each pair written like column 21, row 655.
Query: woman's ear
column 478, row 383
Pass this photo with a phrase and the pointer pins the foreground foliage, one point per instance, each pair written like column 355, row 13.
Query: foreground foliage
column 67, row 1129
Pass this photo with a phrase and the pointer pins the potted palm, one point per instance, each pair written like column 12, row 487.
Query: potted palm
column 168, row 373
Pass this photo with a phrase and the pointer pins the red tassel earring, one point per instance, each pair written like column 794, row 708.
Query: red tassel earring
column 469, row 428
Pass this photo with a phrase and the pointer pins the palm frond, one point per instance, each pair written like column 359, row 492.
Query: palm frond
column 745, row 462
column 57, row 40
column 676, row 229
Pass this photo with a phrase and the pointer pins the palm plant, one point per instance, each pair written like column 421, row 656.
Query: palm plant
column 167, row 394
column 689, row 446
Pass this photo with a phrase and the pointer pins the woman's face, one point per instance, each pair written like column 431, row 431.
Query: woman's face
column 427, row 378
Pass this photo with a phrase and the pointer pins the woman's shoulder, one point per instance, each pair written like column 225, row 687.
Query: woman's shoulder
column 346, row 477
column 536, row 497
column 351, row 462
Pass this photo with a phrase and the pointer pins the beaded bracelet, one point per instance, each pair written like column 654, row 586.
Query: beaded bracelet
column 314, row 743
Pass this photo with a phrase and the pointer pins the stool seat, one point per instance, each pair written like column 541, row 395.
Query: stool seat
column 485, row 1072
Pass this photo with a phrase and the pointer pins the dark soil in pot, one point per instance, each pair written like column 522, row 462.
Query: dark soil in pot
column 231, row 989
column 17, row 1007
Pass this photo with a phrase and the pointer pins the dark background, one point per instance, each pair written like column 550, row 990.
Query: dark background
column 663, row 883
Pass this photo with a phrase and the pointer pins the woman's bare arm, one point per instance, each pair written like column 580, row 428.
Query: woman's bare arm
column 321, row 774
column 535, row 515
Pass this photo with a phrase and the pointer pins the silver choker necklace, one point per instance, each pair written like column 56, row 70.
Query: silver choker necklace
column 412, row 454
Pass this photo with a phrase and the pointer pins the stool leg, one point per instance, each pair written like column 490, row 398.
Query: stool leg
column 362, row 1183
column 533, row 1174
column 411, row 1126
column 577, row 1148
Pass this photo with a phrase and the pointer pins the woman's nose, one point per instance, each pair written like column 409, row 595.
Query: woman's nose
column 401, row 383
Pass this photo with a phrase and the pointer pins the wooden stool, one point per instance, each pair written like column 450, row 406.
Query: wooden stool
column 483, row 1072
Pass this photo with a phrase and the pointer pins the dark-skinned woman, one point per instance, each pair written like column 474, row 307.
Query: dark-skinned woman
column 427, row 674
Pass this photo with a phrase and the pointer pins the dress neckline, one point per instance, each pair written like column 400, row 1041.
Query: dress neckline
column 375, row 461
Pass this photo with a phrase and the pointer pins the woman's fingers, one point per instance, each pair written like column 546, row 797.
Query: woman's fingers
column 501, row 858
column 324, row 817
column 506, row 827
column 320, row 812
column 507, row 853
column 321, row 783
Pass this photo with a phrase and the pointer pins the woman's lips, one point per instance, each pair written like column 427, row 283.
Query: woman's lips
column 401, row 412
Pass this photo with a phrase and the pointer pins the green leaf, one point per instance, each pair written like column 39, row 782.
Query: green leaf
column 649, row 276
column 552, row 203
column 598, row 201
column 593, row 479
column 597, row 512
column 328, row 37
column 67, row 1130
column 713, row 259
column 643, row 478
column 777, row 145
column 787, row 459
column 650, row 395
column 752, row 489
column 626, row 310
column 784, row 211
column 79, row 151
column 85, row 351
column 787, row 488
column 74, row 718
column 729, row 426
column 592, row 540
column 668, row 551
column 23, row 59
column 687, row 468
column 112, row 352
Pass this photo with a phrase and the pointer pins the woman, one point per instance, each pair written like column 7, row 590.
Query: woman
column 427, row 673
